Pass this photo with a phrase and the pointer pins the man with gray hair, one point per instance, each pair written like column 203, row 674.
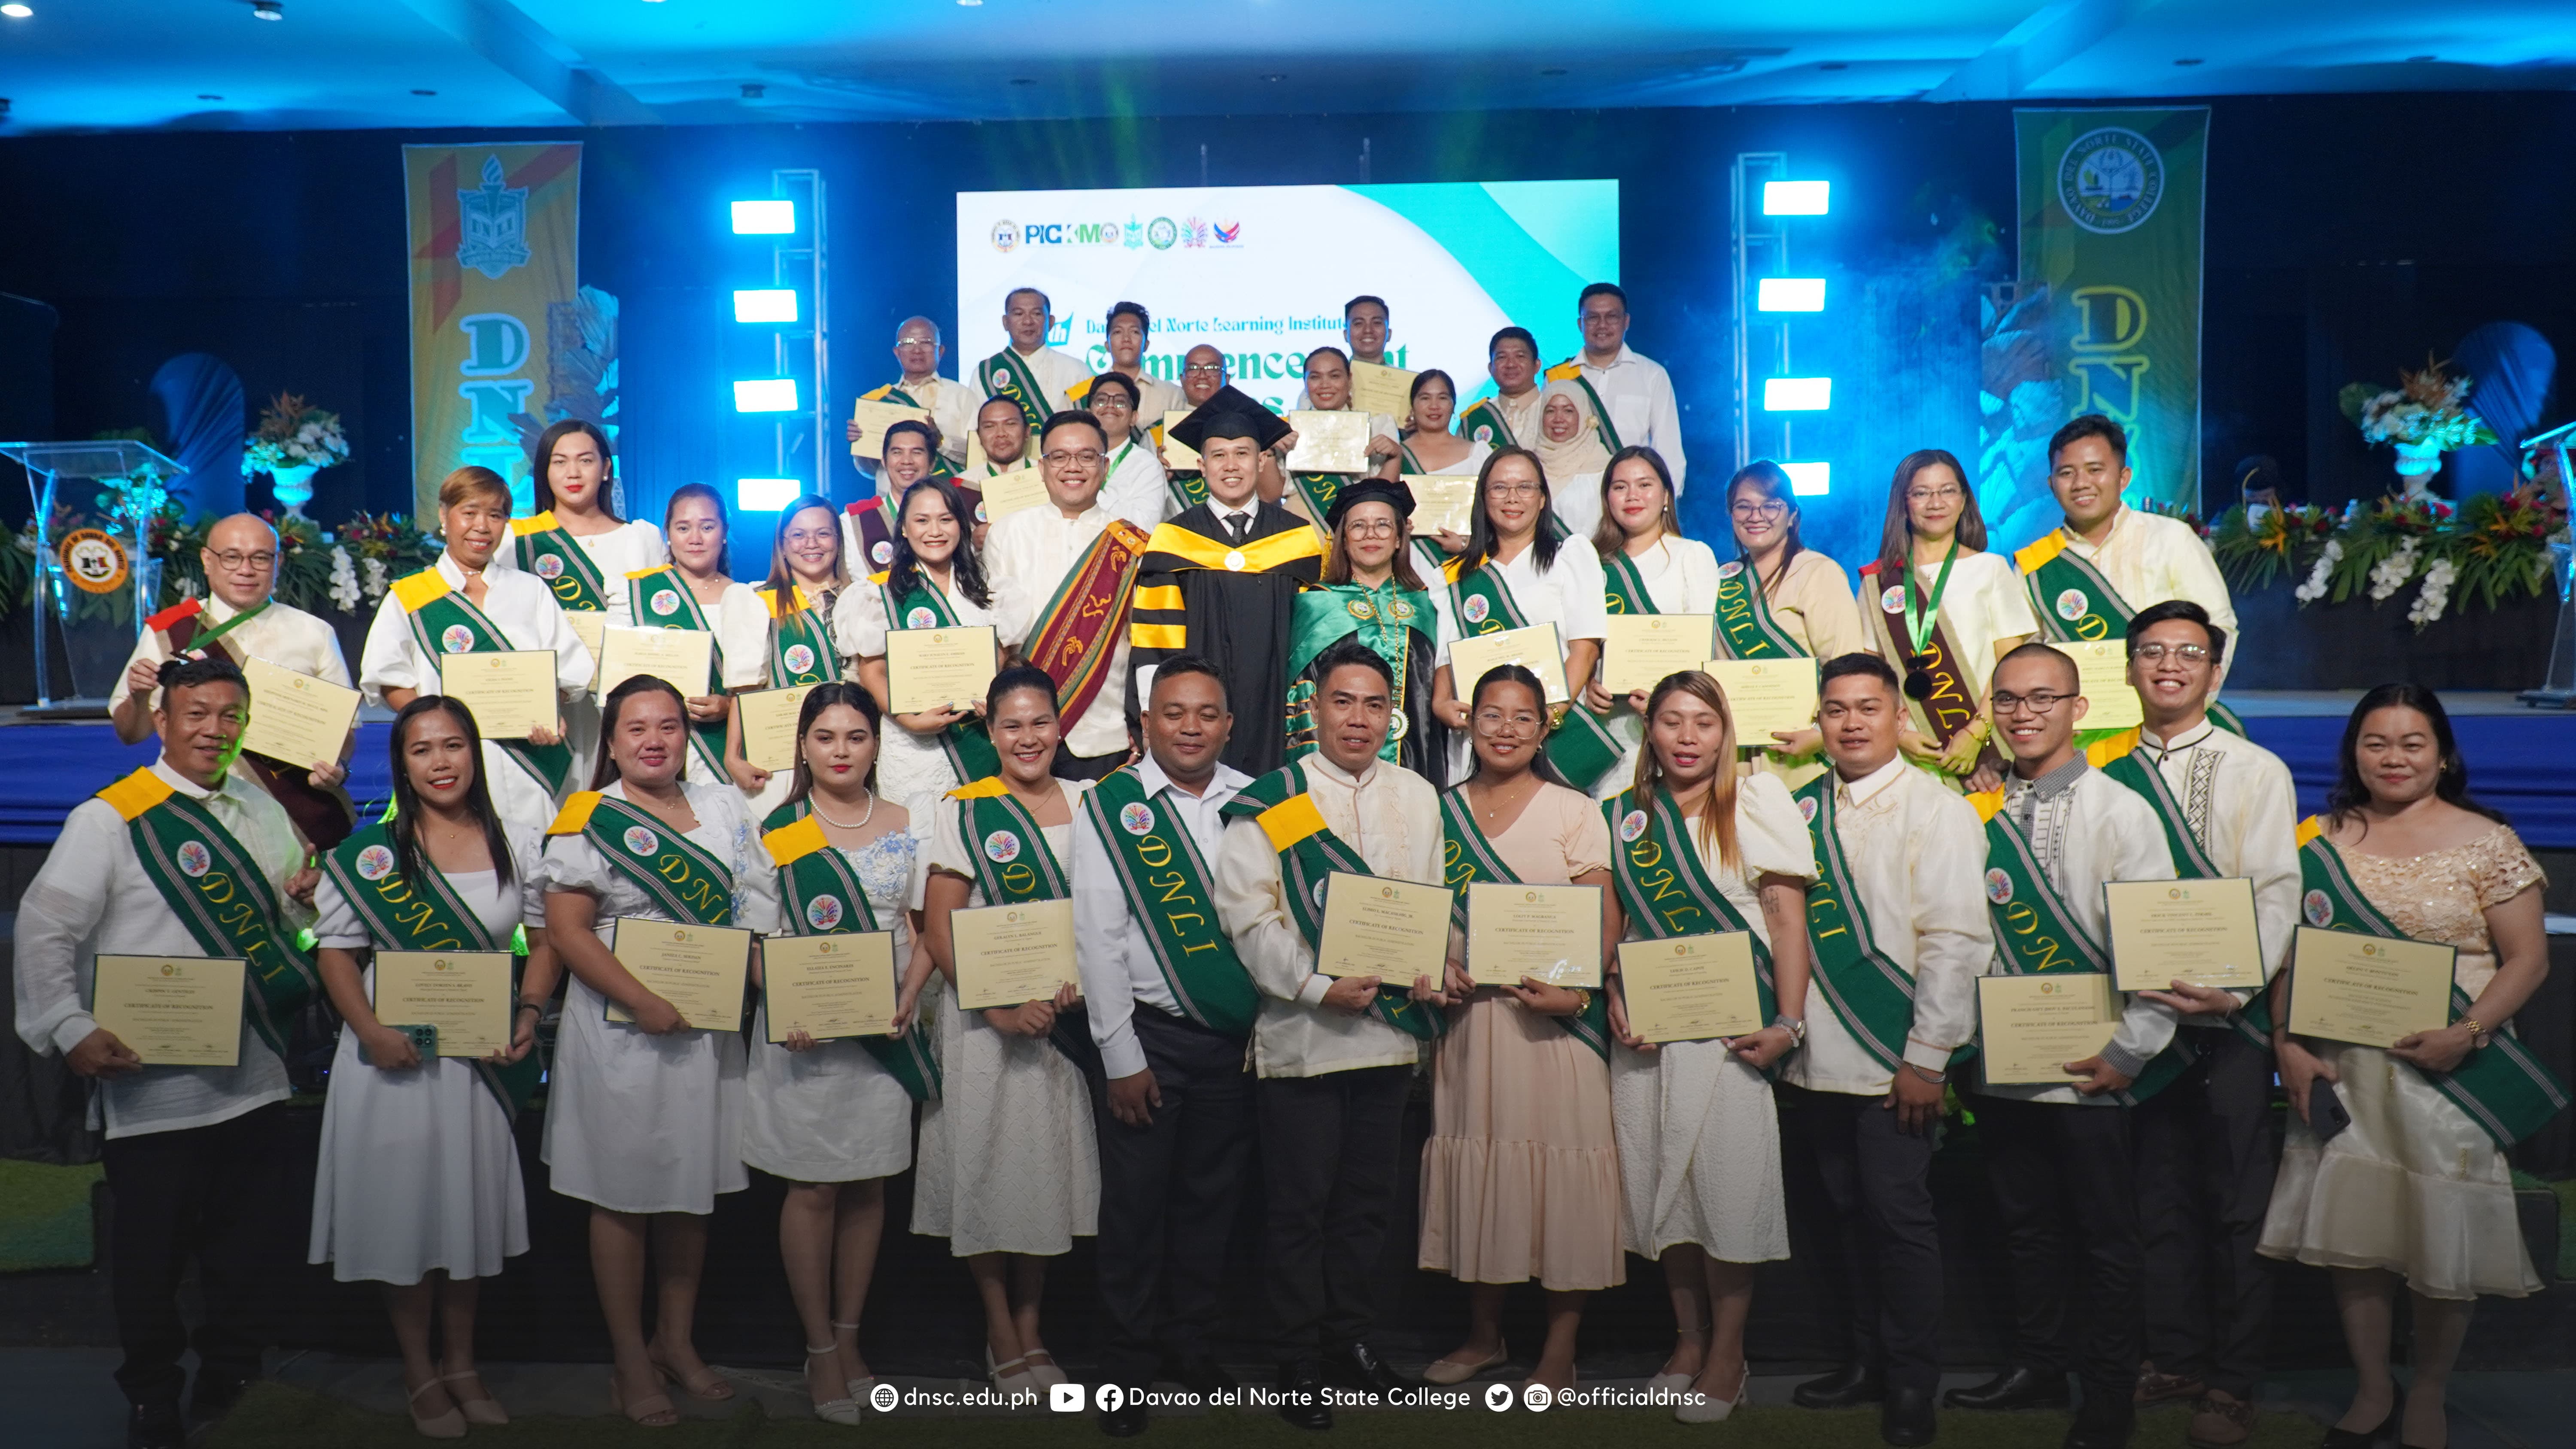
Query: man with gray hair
column 919, row 350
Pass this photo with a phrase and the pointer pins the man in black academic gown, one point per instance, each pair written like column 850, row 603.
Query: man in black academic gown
column 1217, row 579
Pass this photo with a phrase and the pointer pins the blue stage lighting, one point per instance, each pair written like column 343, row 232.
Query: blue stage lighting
column 1809, row 480
column 764, row 218
column 766, row 495
column 1782, row 394
column 778, row 304
column 765, row 395
column 1792, row 198
column 1777, row 294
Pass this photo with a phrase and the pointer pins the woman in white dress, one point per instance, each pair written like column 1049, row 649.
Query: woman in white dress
column 1647, row 567
column 1430, row 447
column 1132, row 485
column 465, row 603
column 693, row 591
column 934, row 582
column 1699, row 1145
column 1010, row 1172
column 418, row 1181
column 1569, row 448
column 808, row 572
column 828, row 1115
column 644, row 1118
column 1944, row 612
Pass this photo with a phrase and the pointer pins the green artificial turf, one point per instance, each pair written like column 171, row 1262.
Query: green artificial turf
column 44, row 1216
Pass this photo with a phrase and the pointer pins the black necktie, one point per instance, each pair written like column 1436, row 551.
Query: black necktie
column 1239, row 527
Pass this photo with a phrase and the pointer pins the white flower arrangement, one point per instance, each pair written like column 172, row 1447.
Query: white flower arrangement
column 377, row 580
column 344, row 581
column 2391, row 573
column 2315, row 587
column 292, row 435
column 2435, row 596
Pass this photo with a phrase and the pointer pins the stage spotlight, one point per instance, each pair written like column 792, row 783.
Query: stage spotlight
column 767, row 304
column 1796, row 198
column 1809, row 480
column 268, row 9
column 1791, row 294
column 17, row 12
column 1780, row 394
column 764, row 218
column 766, row 495
column 766, row 395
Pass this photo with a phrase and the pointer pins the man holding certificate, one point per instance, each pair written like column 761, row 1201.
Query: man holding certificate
column 1170, row 1006
column 1335, row 1055
column 918, row 350
column 193, row 1152
column 2061, row 1131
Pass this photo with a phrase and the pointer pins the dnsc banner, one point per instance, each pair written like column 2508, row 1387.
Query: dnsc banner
column 495, row 245
column 2111, row 230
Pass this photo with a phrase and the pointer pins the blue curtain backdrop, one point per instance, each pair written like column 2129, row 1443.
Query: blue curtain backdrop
column 204, row 421
column 2513, row 366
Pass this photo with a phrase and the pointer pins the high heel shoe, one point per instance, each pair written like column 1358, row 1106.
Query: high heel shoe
column 1010, row 1375
column 1679, row 1381
column 832, row 1411
column 715, row 1388
column 2378, row 1438
column 858, row 1387
column 1047, row 1374
column 484, row 1410
column 450, row 1425
column 1446, row 1371
column 1710, row 1409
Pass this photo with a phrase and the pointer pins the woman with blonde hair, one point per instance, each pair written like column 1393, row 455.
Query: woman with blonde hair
column 1944, row 612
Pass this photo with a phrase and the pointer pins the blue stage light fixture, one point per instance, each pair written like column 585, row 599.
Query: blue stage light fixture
column 766, row 495
column 1783, row 394
column 773, row 304
column 764, row 218
column 1795, row 198
column 765, row 395
column 1779, row 294
column 1809, row 480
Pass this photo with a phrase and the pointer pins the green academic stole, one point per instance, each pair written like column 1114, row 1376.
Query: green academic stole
column 1166, row 885
column 213, row 884
column 1077, row 633
column 822, row 897
column 561, row 564
column 1571, row 370
column 1466, row 858
column 1387, row 619
column 675, row 874
column 2503, row 1088
column 1665, row 886
column 1871, row 995
column 404, row 914
column 1187, row 486
column 967, row 743
column 2036, row 933
column 1319, row 490
column 1579, row 745
column 1484, row 422
column 2075, row 601
column 444, row 621
column 2118, row 758
column 1012, row 861
column 1309, row 853
column 1007, row 374
column 1745, row 626
column 661, row 599
column 800, row 642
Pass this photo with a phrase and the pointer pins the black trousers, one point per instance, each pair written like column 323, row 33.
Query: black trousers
column 1330, row 1150
column 2065, row 1182
column 208, row 1193
column 1168, row 1194
column 1874, row 1231
column 2208, row 1149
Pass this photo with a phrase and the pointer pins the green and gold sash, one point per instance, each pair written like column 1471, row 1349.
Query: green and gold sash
column 800, row 642
column 2503, row 1088
column 1578, row 744
column 2073, row 600
column 1467, row 857
column 403, row 914
column 1391, row 620
column 1665, row 886
column 1187, row 487
column 1077, row 633
column 1309, row 853
column 821, row 896
column 1165, row 881
column 1014, row 863
column 2118, row 758
column 1870, row 994
column 661, row 599
column 1483, row 422
column 557, row 560
column 1319, row 490
column 444, row 621
column 967, row 743
column 1745, row 626
column 1571, row 370
column 679, row 877
column 1007, row 374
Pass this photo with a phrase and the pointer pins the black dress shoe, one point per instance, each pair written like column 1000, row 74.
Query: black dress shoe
column 1845, row 1387
column 2014, row 1388
column 1905, row 1419
column 2378, row 1438
column 1358, row 1367
column 2106, row 1421
column 214, row 1394
column 1201, row 1375
column 1124, row 1422
column 155, row 1426
column 1301, row 1394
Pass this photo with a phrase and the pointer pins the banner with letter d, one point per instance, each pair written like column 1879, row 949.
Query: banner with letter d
column 495, row 236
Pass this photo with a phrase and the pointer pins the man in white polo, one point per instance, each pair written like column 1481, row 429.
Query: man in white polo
column 1632, row 393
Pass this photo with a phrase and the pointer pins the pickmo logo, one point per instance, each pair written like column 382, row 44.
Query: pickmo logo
column 1062, row 234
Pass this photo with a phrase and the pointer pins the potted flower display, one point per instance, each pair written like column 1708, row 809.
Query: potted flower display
column 294, row 442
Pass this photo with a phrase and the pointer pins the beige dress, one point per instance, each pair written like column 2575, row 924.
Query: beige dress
column 2413, row 1185
column 1520, row 1178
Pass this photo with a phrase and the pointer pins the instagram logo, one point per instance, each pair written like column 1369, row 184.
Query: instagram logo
column 1065, row 1398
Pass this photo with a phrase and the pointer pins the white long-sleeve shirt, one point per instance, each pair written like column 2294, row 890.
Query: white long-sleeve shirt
column 1391, row 816
column 2150, row 558
column 1114, row 951
column 282, row 634
column 1027, row 556
column 1638, row 394
column 1056, row 372
column 1134, row 490
column 2244, row 810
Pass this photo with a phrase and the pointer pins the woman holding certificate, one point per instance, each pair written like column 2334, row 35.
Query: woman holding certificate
column 1569, row 448
column 1699, row 1144
column 2416, row 1189
column 1520, row 1178
column 807, row 575
column 693, row 591
column 1647, row 567
column 935, row 581
column 418, row 1184
column 644, row 1114
column 833, row 1115
column 1943, row 611
column 1010, row 1170
column 465, row 604
column 1430, row 447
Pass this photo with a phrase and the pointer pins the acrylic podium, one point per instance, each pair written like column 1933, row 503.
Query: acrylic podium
column 96, row 580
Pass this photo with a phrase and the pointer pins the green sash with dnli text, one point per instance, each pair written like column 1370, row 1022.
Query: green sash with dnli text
column 2118, row 758
column 800, row 642
column 1745, row 628
column 1579, row 745
column 968, row 744
column 1013, row 862
column 1666, row 887
column 677, row 875
column 2075, row 601
column 1007, row 374
column 821, row 896
column 557, row 560
column 1165, row 882
column 1870, row 994
column 1467, row 857
column 444, row 621
column 661, row 599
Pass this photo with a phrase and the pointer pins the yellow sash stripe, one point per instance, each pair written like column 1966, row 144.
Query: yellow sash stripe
column 1570, row 367
column 795, row 840
column 983, row 789
column 1080, row 390
column 136, row 793
column 419, row 591
column 1259, row 555
column 880, row 576
column 770, row 597
column 2103, row 752
column 1158, row 636
column 2031, row 559
column 1290, row 821
column 533, row 523
column 2310, row 829
column 576, row 813
column 879, row 395
column 1159, row 596
column 1987, row 802
column 647, row 573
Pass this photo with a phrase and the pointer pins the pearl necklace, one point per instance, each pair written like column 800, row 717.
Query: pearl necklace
column 816, row 804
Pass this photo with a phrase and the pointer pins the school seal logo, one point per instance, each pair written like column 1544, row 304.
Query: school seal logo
column 375, row 863
column 665, row 601
column 194, row 859
column 2110, row 180
column 456, row 639
column 800, row 658
column 2073, row 605
column 1632, row 825
column 1998, row 887
column 549, row 566
column 642, row 841
column 2318, row 910
column 1807, row 807
column 823, row 912
column 1136, row 817
column 1475, row 609
column 882, row 551
column 1730, row 568
column 1001, row 847
column 1891, row 600
column 920, row 618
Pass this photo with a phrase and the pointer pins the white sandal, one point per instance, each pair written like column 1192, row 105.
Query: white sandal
column 1010, row 1375
column 1709, row 1409
column 833, row 1411
column 450, row 1425
column 1680, row 1381
column 858, row 1387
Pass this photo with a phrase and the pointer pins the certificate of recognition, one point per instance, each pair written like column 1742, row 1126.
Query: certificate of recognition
column 2030, row 1027
column 2102, row 665
column 1008, row 955
column 1008, row 493
column 1550, row 933
column 928, row 668
column 1329, row 442
column 1380, row 389
column 828, row 986
column 467, row 995
column 1442, row 503
column 1177, row 455
column 509, row 692
column 1766, row 695
column 769, row 725
column 680, row 656
column 296, row 719
column 1533, row 648
column 172, row 1011
column 1691, row 988
column 1394, row 930
column 592, row 626
column 700, row 970
column 1642, row 648
column 2200, row 931
column 2368, row 989
column 873, row 419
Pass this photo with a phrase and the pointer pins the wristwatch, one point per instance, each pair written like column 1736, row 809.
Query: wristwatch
column 1796, row 1028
